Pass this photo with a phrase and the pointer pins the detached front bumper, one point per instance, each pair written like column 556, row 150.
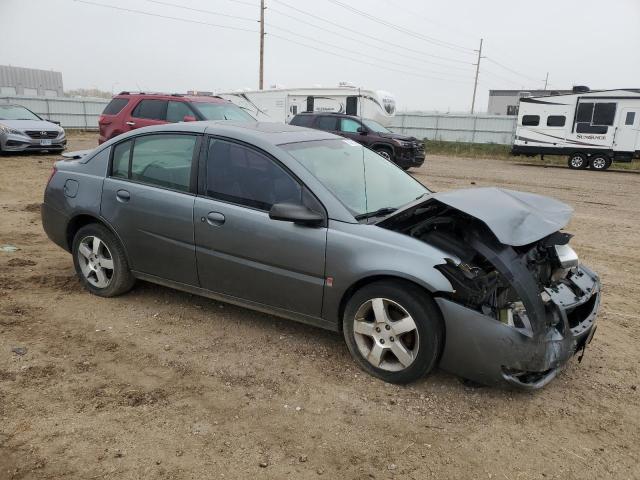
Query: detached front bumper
column 485, row 350
column 21, row 143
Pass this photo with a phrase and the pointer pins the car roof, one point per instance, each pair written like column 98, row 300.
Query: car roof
column 257, row 133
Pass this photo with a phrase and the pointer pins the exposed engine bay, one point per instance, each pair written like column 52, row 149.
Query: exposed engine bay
column 477, row 268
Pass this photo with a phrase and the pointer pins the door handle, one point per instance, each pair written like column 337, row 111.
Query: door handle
column 123, row 196
column 131, row 124
column 214, row 218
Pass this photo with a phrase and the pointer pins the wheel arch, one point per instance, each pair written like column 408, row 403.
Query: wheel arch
column 387, row 146
column 82, row 219
column 363, row 282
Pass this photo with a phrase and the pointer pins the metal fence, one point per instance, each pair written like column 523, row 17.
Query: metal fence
column 456, row 127
column 82, row 113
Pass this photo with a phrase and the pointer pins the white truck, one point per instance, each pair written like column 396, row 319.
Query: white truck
column 593, row 128
column 282, row 104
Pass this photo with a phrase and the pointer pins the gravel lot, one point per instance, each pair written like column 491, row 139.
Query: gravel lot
column 161, row 384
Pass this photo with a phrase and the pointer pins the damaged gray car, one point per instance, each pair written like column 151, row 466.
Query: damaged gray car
column 316, row 228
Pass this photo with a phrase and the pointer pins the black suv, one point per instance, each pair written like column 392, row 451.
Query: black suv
column 405, row 151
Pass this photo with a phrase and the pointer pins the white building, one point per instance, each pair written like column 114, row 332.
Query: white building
column 30, row 82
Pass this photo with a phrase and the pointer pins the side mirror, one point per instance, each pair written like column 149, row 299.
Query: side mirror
column 296, row 213
column 362, row 131
column 188, row 118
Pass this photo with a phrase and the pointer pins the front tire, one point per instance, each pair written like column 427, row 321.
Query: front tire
column 100, row 261
column 577, row 161
column 393, row 330
column 600, row 162
column 385, row 152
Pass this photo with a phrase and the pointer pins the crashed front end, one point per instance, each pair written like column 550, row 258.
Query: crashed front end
column 521, row 304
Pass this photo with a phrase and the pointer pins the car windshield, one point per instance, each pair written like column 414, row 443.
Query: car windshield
column 375, row 126
column 222, row 111
column 367, row 184
column 16, row 112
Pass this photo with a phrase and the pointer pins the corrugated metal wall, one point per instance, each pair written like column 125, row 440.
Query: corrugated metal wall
column 456, row 128
column 70, row 112
column 84, row 113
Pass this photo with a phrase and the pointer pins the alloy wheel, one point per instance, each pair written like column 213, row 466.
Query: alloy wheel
column 386, row 335
column 599, row 163
column 96, row 262
column 384, row 154
column 577, row 161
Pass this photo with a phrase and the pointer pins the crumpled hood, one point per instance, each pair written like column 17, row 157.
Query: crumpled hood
column 30, row 125
column 515, row 218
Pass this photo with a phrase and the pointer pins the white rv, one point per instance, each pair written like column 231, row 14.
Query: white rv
column 282, row 104
column 593, row 128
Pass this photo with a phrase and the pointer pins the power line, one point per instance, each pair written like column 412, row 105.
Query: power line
column 358, row 53
column 413, row 73
column 371, row 37
column 378, row 47
column 199, row 10
column 512, row 70
column 168, row 17
column 406, row 31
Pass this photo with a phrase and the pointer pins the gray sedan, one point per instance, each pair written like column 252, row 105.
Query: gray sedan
column 313, row 227
column 21, row 130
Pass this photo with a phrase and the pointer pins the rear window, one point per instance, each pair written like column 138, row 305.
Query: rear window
column 115, row 106
column 302, row 120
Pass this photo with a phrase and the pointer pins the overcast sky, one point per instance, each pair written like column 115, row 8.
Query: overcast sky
column 424, row 54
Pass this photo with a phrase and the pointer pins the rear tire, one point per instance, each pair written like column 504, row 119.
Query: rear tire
column 393, row 330
column 600, row 162
column 577, row 161
column 100, row 261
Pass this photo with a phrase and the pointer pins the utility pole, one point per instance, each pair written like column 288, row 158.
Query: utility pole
column 546, row 81
column 261, row 81
column 475, row 83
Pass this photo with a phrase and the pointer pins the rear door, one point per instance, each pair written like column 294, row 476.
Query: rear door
column 146, row 113
column 628, row 132
column 148, row 198
column 243, row 253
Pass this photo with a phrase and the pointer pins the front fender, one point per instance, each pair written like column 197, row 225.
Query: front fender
column 356, row 252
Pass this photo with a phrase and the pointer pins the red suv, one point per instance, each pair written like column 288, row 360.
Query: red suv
column 128, row 111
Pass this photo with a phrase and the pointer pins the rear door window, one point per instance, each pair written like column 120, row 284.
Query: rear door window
column 176, row 111
column 326, row 122
column 161, row 160
column 151, row 109
column 302, row 120
column 115, row 106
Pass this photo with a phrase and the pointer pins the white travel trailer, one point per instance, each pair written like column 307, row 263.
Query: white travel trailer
column 593, row 128
column 282, row 104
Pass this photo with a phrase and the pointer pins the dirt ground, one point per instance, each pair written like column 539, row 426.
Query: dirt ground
column 165, row 385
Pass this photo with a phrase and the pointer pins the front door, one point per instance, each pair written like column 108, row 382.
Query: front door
column 148, row 198
column 243, row 253
column 628, row 133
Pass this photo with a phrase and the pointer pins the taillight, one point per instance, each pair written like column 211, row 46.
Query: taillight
column 53, row 172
